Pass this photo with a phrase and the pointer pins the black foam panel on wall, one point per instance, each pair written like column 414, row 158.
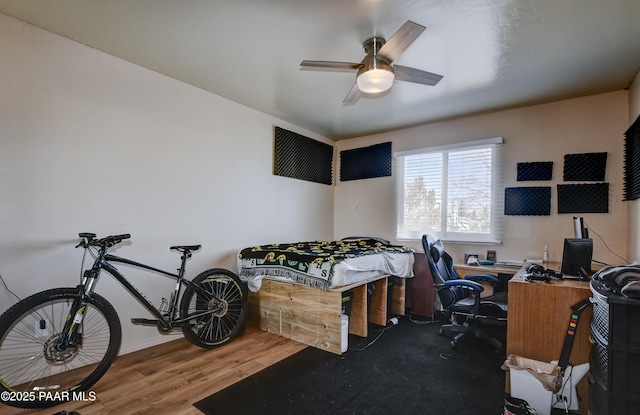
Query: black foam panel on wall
column 539, row 170
column 366, row 162
column 631, row 186
column 301, row 157
column 586, row 167
column 527, row 201
column 583, row 198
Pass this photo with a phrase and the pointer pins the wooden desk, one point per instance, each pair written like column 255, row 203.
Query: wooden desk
column 503, row 274
column 539, row 315
column 463, row 270
column 538, row 321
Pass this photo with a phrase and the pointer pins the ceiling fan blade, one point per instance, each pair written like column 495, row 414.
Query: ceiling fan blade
column 400, row 41
column 404, row 73
column 330, row 64
column 352, row 96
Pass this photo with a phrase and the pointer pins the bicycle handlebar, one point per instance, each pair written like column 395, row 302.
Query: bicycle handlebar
column 106, row 242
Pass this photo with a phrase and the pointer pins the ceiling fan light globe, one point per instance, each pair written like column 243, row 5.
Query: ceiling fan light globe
column 375, row 81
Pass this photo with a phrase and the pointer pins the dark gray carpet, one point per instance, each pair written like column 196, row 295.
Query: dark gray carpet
column 410, row 369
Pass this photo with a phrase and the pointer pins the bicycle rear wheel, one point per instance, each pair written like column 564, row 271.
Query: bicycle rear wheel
column 215, row 306
column 34, row 371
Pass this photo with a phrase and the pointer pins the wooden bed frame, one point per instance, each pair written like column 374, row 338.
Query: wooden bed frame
column 313, row 317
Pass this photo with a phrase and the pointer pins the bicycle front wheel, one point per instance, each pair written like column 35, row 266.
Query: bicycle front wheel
column 214, row 307
column 35, row 370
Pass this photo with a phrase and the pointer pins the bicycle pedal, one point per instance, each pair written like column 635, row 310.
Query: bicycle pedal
column 144, row 322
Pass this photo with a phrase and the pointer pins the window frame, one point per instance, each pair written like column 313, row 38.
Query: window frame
column 494, row 237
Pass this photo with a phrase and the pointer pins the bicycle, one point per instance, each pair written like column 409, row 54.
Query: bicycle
column 56, row 344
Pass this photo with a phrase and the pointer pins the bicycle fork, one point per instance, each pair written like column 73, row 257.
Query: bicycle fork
column 71, row 335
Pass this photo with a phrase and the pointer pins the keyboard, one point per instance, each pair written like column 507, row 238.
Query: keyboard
column 509, row 264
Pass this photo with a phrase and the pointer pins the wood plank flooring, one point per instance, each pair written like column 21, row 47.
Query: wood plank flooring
column 169, row 378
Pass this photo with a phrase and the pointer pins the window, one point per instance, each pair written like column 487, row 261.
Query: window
column 452, row 192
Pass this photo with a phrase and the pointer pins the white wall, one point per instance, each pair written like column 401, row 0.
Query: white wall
column 91, row 143
column 536, row 133
column 634, row 206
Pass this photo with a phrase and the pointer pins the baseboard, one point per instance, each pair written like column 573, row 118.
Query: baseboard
column 134, row 346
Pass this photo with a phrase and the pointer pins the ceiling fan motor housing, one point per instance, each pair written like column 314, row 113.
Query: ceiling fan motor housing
column 373, row 62
column 379, row 73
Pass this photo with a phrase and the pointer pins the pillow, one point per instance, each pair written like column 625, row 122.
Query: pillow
column 369, row 238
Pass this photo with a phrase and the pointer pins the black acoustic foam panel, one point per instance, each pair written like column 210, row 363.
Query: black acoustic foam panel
column 586, row 167
column 539, row 170
column 366, row 162
column 583, row 198
column 527, row 201
column 301, row 157
column 631, row 186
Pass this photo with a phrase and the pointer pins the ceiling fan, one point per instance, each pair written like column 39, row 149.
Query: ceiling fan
column 376, row 72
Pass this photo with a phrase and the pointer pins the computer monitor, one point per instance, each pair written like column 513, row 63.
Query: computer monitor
column 576, row 254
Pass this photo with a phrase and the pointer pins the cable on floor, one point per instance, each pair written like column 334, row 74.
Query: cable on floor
column 376, row 338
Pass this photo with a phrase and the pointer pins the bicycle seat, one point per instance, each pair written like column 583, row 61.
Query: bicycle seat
column 184, row 248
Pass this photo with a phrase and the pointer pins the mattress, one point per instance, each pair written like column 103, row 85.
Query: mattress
column 324, row 264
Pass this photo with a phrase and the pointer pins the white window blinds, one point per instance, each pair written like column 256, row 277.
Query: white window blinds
column 452, row 192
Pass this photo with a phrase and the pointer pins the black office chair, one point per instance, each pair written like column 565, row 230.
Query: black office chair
column 461, row 297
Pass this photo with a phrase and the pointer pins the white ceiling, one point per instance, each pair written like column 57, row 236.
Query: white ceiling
column 494, row 54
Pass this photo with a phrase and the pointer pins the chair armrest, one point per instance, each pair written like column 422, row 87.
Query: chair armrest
column 483, row 277
column 470, row 285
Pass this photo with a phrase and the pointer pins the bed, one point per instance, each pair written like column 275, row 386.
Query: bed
column 324, row 265
column 297, row 289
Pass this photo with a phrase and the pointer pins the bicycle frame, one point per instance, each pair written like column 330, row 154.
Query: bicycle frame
column 102, row 262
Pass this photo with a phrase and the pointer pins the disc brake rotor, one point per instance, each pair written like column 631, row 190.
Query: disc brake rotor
column 57, row 356
column 219, row 307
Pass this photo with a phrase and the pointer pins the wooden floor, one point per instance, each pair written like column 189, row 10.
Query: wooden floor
column 169, row 378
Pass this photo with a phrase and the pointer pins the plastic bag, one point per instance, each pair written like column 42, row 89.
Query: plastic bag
column 548, row 374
